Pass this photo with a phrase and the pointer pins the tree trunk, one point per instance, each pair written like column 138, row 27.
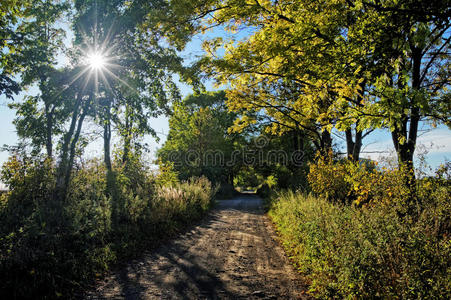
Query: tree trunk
column 325, row 143
column 127, row 137
column 61, row 180
column 107, row 137
column 111, row 184
column 298, row 140
column 404, row 139
column 353, row 147
column 49, row 114
column 73, row 147
column 298, row 147
column 65, row 166
column 405, row 150
column 107, row 145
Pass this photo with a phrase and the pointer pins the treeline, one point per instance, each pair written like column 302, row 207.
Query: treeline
column 314, row 69
column 302, row 70
column 320, row 65
column 201, row 143
column 296, row 73
column 66, row 220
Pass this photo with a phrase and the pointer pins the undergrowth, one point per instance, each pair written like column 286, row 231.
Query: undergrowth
column 48, row 253
column 363, row 247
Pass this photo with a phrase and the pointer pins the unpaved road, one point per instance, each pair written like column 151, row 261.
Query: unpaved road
column 232, row 254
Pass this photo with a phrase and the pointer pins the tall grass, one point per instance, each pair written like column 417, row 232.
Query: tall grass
column 367, row 252
column 39, row 259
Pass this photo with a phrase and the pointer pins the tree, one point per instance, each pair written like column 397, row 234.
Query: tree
column 199, row 143
column 344, row 57
column 137, row 80
column 41, row 118
column 78, row 101
column 37, row 115
column 410, row 50
column 12, row 15
column 285, row 71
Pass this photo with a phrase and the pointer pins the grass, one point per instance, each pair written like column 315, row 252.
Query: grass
column 369, row 252
column 52, row 254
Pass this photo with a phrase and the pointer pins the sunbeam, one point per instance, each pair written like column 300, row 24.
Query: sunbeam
column 96, row 61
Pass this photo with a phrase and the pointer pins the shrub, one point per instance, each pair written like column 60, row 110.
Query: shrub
column 167, row 175
column 362, row 183
column 264, row 191
column 367, row 252
column 40, row 260
column 328, row 179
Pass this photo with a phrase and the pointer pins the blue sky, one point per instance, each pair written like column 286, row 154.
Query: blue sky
column 435, row 142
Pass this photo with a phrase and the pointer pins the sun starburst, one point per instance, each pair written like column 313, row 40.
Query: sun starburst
column 99, row 64
column 96, row 60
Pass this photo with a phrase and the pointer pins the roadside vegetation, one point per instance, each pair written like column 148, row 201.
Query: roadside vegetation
column 52, row 250
column 305, row 83
column 355, row 236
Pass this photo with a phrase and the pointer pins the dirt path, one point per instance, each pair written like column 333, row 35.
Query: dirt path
column 231, row 255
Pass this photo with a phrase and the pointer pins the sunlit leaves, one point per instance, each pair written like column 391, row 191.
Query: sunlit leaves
column 347, row 63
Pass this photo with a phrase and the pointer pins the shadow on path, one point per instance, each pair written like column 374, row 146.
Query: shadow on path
column 232, row 254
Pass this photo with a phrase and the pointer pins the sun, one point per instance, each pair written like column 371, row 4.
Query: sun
column 96, row 61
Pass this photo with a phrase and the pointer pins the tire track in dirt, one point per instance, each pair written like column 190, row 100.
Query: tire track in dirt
column 232, row 254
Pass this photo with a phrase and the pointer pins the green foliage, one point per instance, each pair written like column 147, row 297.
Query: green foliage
column 318, row 65
column 370, row 252
column 33, row 180
column 264, row 191
column 360, row 183
column 248, row 179
column 137, row 84
column 278, row 161
column 226, row 191
column 55, row 248
column 198, row 143
column 167, row 175
column 11, row 13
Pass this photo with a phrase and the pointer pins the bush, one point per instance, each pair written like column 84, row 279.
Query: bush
column 328, row 179
column 367, row 252
column 167, row 175
column 40, row 260
column 361, row 183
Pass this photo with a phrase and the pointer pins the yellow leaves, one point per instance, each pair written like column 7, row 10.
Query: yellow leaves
column 402, row 140
column 211, row 46
column 357, row 71
column 279, row 51
column 241, row 123
column 360, row 183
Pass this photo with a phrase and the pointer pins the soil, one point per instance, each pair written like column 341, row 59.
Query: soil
column 232, row 254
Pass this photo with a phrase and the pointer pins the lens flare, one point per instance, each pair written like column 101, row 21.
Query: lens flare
column 96, row 61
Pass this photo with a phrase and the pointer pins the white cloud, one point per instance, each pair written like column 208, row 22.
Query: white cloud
column 435, row 144
column 436, row 141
